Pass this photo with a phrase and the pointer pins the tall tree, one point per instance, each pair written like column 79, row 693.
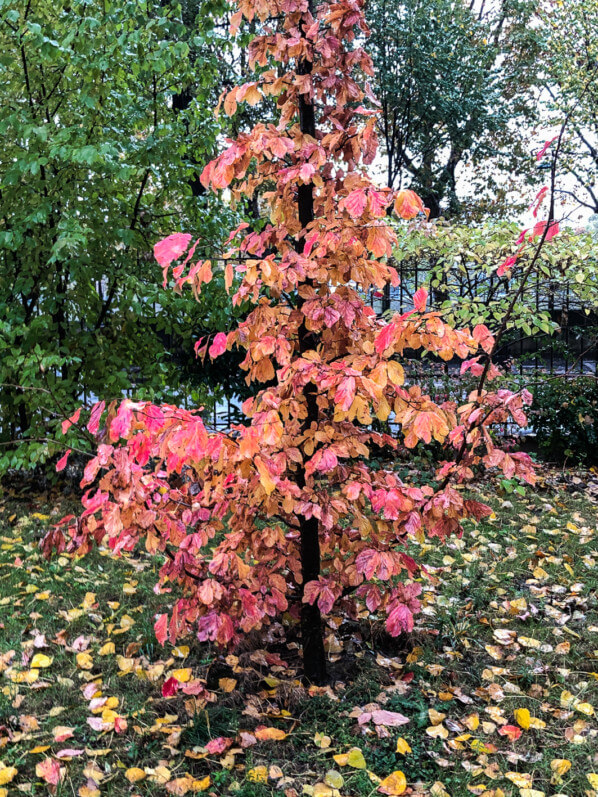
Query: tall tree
column 453, row 80
column 286, row 512
column 95, row 165
column 569, row 75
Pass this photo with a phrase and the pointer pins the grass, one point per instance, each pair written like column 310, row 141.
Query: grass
column 509, row 622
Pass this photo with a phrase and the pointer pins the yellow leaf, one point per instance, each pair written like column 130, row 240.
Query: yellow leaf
column 529, row 642
column 183, row 675
column 559, row 767
column 134, row 774
column 6, row 774
column 531, row 793
column 201, row 784
column 354, row 758
column 522, row 718
column 435, row 716
column 334, row 779
column 227, row 684
column 403, row 746
column 437, row 732
column 40, row 660
column 322, row 741
column 534, row 722
column 520, row 779
column 270, row 734
column 593, row 778
column 394, row 785
column 181, row 651
column 258, row 775
column 472, row 721
column 89, row 600
column 107, row 649
column 585, row 708
column 84, row 661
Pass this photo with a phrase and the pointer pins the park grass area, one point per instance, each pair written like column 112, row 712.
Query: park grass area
column 499, row 680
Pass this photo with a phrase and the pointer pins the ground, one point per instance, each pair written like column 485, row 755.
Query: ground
column 498, row 681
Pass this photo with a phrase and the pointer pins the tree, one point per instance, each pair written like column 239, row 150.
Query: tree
column 285, row 512
column 95, row 164
column 569, row 76
column 454, row 85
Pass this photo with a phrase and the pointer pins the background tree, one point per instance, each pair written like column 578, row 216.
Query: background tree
column 453, row 79
column 569, row 76
column 99, row 158
column 286, row 512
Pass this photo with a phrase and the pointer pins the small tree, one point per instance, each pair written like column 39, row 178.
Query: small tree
column 285, row 512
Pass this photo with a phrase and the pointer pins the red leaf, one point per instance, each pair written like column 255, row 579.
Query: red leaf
column 66, row 425
column 61, row 464
column 170, row 687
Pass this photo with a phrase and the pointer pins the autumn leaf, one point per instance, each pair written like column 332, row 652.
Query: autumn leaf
column 393, row 785
column 354, row 758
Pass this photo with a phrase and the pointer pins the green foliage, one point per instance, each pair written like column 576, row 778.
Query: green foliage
column 459, row 264
column 105, row 120
column 567, row 73
column 453, row 82
column 565, row 418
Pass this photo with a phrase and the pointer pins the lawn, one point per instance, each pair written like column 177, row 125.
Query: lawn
column 498, row 682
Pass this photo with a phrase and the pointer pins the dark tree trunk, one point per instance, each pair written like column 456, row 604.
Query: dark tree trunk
column 314, row 657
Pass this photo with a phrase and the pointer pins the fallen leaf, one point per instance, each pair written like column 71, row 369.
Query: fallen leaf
column 393, row 785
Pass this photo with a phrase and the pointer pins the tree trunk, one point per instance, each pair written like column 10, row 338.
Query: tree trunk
column 314, row 657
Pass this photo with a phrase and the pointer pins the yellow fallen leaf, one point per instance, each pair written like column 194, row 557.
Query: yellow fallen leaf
column 593, row 779
column 437, row 732
column 435, row 716
column 333, row 779
column 528, row 642
column 201, row 784
column 227, row 684
column 84, row 661
column 354, row 758
column 472, row 721
column 40, row 660
column 585, row 708
column 107, row 649
column 181, row 651
column 7, row 774
column 270, row 734
column 520, row 779
column 394, row 785
column 403, row 746
column 522, row 718
column 258, row 775
column 322, row 741
column 531, row 793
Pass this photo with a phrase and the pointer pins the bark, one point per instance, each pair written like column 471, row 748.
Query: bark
column 314, row 657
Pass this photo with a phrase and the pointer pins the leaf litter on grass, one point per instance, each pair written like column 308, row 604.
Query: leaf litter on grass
column 495, row 693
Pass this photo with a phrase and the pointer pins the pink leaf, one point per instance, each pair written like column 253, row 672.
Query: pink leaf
column 547, row 144
column 399, row 619
column 93, row 424
column 420, row 298
column 161, row 628
column 218, row 345
column 170, row 685
column 171, row 248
